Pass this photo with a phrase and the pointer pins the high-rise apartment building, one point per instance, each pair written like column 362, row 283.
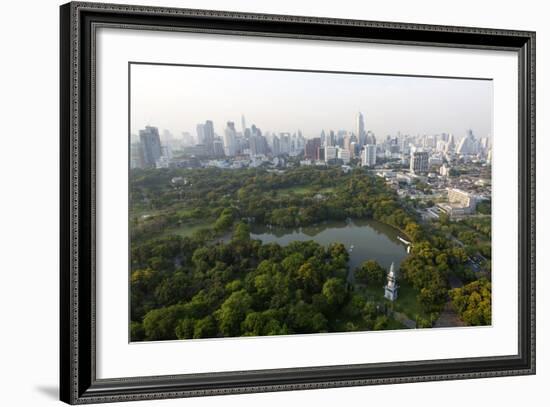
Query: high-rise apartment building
column 230, row 139
column 218, row 148
column 205, row 136
column 344, row 155
column 150, row 146
column 360, row 129
column 312, row 148
column 419, row 161
column 276, row 146
column 258, row 143
column 368, row 156
column 330, row 153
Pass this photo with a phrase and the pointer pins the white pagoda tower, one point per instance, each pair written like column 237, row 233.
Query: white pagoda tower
column 390, row 289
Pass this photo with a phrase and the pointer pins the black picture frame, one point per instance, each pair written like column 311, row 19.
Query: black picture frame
column 78, row 382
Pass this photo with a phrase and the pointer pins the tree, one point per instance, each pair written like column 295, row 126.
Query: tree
column 473, row 302
column 142, row 286
column 354, row 307
column 309, row 277
column 242, row 232
column 338, row 250
column 423, row 323
column 137, row 333
column 224, row 222
column 263, row 323
column 174, row 288
column 484, row 207
column 205, row 328
column 202, row 258
column 369, row 313
column 305, row 318
column 292, row 262
column 442, row 262
column 232, row 312
column 160, row 324
column 381, row 323
column 371, row 273
column 185, row 328
column 432, row 298
column 334, row 290
column 413, row 231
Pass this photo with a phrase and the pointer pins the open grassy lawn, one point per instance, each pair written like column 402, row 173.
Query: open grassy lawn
column 371, row 293
column 304, row 190
column 407, row 302
column 138, row 212
column 186, row 230
column 394, row 324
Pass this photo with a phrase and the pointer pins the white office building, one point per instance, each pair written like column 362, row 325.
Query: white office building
column 368, row 156
column 330, row 153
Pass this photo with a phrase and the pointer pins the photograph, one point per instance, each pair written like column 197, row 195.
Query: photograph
column 266, row 201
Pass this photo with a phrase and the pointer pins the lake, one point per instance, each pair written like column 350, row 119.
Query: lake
column 364, row 239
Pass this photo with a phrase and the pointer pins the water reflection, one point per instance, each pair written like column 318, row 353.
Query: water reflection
column 364, row 239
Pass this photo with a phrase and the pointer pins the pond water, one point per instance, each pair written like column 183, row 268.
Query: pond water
column 364, row 239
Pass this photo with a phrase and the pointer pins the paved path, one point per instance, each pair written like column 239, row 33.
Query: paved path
column 404, row 319
column 448, row 318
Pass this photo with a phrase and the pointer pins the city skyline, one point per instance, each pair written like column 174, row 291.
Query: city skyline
column 288, row 101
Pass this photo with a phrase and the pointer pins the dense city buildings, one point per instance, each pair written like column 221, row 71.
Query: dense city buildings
column 420, row 154
column 448, row 172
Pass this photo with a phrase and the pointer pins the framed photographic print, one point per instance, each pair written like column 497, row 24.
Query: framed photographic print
column 256, row 203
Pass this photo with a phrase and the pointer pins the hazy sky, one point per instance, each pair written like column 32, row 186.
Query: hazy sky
column 178, row 97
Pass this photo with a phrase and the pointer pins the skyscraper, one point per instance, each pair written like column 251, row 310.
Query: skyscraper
column 205, row 136
column 136, row 155
column 468, row 145
column 370, row 138
column 330, row 139
column 450, row 147
column 258, row 143
column 360, row 128
column 368, row 156
column 243, row 123
column 200, row 133
column 150, row 146
column 276, row 143
column 209, row 136
column 419, row 161
column 344, row 155
column 230, row 139
column 312, row 148
column 284, row 143
column 330, row 153
column 218, row 148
